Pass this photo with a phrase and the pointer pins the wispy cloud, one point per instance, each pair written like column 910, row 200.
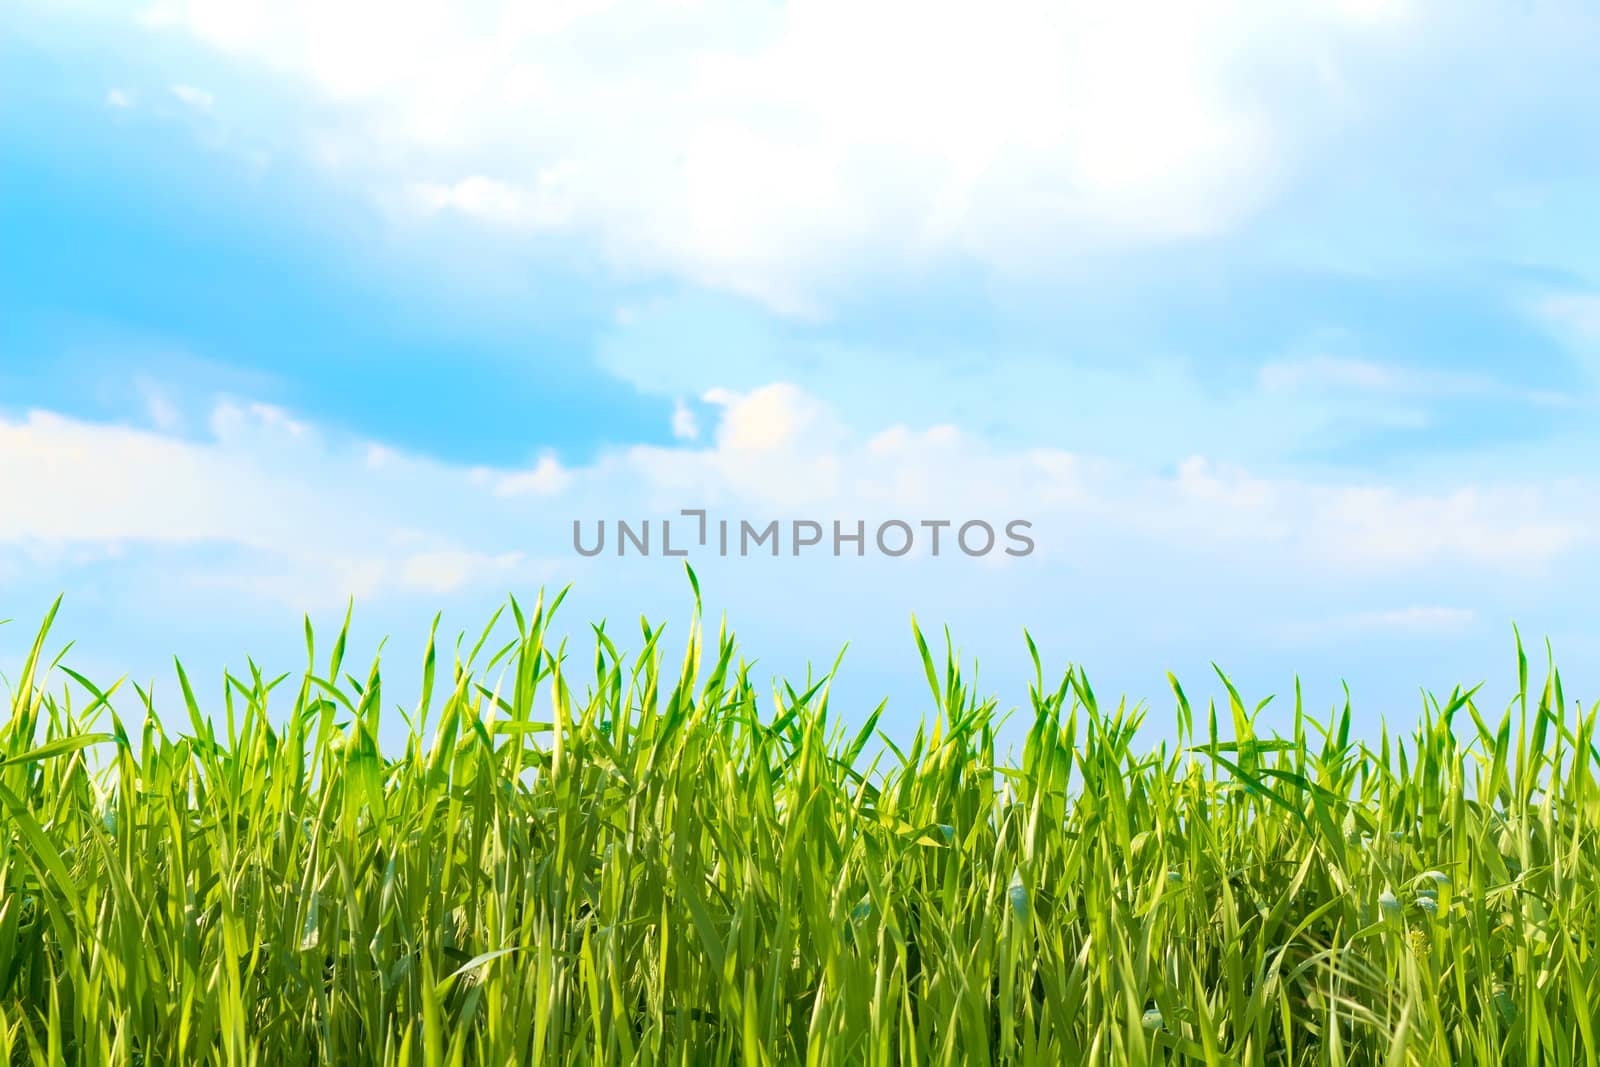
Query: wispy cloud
column 160, row 406
column 198, row 99
column 547, row 477
column 1415, row 622
column 1320, row 374
column 685, row 427
column 547, row 203
column 1415, row 618
column 1573, row 314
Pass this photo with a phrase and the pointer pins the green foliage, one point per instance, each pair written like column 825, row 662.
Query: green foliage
column 637, row 867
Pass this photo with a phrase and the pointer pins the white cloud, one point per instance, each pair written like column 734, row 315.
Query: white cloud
column 317, row 515
column 1357, row 527
column 778, row 150
column 121, row 99
column 545, row 478
column 1413, row 622
column 307, row 517
column 763, row 419
column 230, row 420
column 685, row 427
column 1383, row 12
column 159, row 405
column 1318, row 374
column 1575, row 314
column 780, row 449
column 1417, row 618
column 198, row 99
column 445, row 572
column 547, row 204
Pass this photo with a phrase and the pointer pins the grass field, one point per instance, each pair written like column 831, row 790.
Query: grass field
column 623, row 860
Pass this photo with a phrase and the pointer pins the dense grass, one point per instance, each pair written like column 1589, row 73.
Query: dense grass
column 623, row 865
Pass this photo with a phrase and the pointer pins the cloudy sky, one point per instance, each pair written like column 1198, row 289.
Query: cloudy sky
column 1280, row 323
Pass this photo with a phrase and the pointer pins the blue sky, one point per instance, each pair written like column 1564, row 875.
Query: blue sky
column 1281, row 323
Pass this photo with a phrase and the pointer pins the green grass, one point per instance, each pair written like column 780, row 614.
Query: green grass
column 623, row 861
